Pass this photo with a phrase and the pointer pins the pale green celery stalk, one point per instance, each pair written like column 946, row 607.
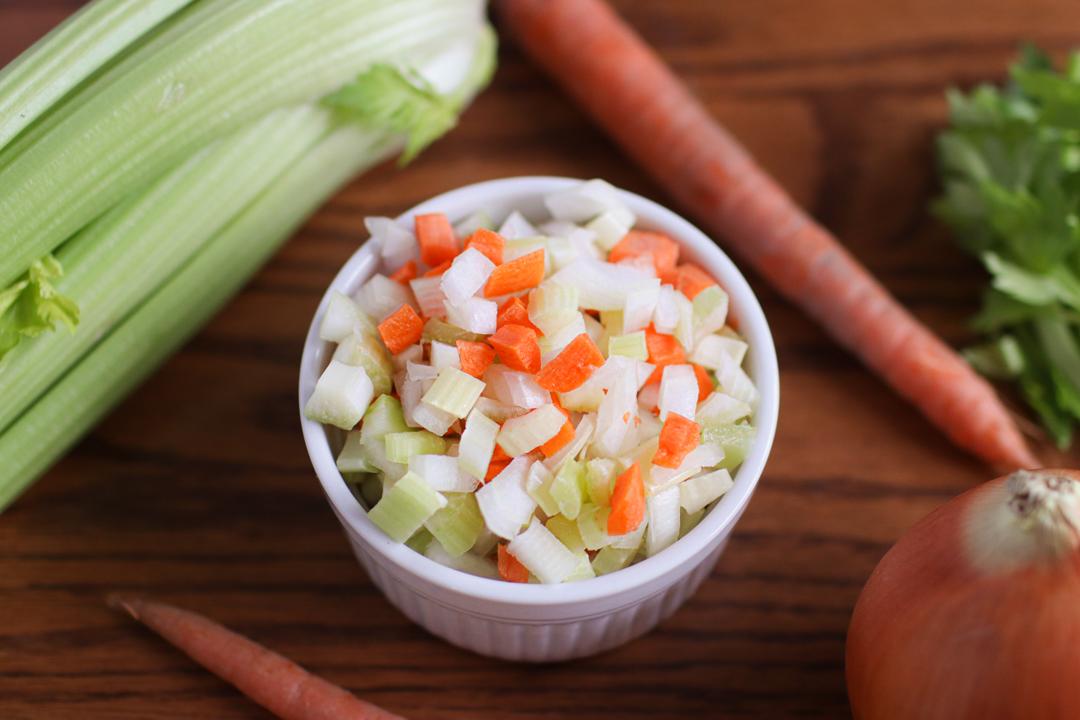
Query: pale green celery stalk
column 212, row 70
column 72, row 52
column 120, row 259
column 168, row 318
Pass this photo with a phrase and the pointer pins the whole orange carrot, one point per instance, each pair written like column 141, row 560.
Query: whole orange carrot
column 278, row 684
column 625, row 86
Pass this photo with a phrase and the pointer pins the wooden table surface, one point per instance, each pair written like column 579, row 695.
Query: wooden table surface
column 197, row 490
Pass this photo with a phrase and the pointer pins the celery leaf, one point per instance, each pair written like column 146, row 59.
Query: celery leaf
column 32, row 305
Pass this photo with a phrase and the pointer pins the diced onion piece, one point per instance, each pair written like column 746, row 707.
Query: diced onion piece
column 600, row 476
column 662, row 510
column 397, row 245
column 368, row 352
column 684, row 328
column 678, row 391
column 404, row 507
column 444, row 356
column 429, row 296
column 552, row 306
column 504, row 502
column 560, row 252
column 454, row 392
column 475, row 315
column 705, row 456
column 471, row 224
column 400, row 446
column 567, row 533
column 631, row 345
column 649, row 397
column 420, row 372
column 342, row 318
column 497, row 411
column 465, row 276
column 586, row 398
column 639, row 306
column 477, row 444
column 710, row 311
column 610, row 228
column 594, row 330
column 468, row 563
column 432, row 418
column 516, row 388
column 712, row 349
column 602, row 286
column 666, row 315
column 526, row 433
column 592, row 526
column 341, row 396
column 721, row 409
column 542, row 553
column 413, row 353
column 380, row 296
column 515, row 227
column 443, row 473
column 616, row 418
column 700, row 490
column 458, row 524
column 734, row 381
column 586, row 201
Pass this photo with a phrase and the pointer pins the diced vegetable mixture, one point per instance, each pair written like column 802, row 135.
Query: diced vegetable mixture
column 537, row 403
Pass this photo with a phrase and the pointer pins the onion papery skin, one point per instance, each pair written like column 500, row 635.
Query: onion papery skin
column 939, row 633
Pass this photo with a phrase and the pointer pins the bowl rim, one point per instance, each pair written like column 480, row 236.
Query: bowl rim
column 763, row 366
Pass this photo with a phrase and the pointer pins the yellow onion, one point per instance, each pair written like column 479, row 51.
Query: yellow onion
column 975, row 612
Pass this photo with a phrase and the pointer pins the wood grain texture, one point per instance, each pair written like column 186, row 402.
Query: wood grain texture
column 197, row 489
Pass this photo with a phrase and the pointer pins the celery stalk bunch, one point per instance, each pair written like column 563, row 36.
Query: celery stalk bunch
column 154, row 155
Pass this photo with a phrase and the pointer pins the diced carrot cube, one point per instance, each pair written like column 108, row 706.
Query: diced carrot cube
column 704, row 382
column 510, row 568
column 405, row 273
column 627, row 502
column 664, row 350
column 438, row 269
column 517, row 348
column 678, row 437
column 436, row 238
column 475, row 357
column 571, row 367
column 401, row 329
column 515, row 312
column 519, row 274
column 561, row 439
column 690, row 280
column 488, row 242
column 663, row 250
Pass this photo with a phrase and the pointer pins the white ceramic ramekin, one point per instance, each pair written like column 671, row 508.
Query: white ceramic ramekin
column 544, row 623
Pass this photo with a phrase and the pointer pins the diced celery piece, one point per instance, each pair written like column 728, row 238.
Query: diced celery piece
column 364, row 350
column 353, row 457
column 342, row 318
column 568, row 489
column 458, row 524
column 371, row 490
column 611, row 558
column 400, row 446
column 713, row 351
column 600, row 475
column 734, row 439
column 586, row 398
column 584, row 569
column 454, row 392
column 567, row 532
column 419, row 540
column 612, row 320
column 700, row 490
column 721, row 409
column 404, row 507
column 631, row 345
column 689, row 521
column 469, row 563
column 609, row 229
column 710, row 311
column 542, row 553
column 504, row 502
column 592, row 526
column 477, row 444
column 341, row 396
column 479, row 219
column 538, row 485
column 444, row 332
column 522, row 434
column 552, row 306
column 684, row 327
column 662, row 511
column 384, row 416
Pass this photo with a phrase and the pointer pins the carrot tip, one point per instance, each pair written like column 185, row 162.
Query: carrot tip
column 130, row 605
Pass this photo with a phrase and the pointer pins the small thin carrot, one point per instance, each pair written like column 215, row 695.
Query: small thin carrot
column 475, row 356
column 510, row 568
column 627, row 502
column 515, row 312
column 561, row 439
column 519, row 274
column 401, row 329
column 276, row 683
column 678, row 438
column 572, row 366
column 517, row 348
column 663, row 250
column 405, row 273
column 705, row 383
column 438, row 269
column 690, row 280
column 436, row 237
column 626, row 87
column 489, row 242
column 664, row 350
